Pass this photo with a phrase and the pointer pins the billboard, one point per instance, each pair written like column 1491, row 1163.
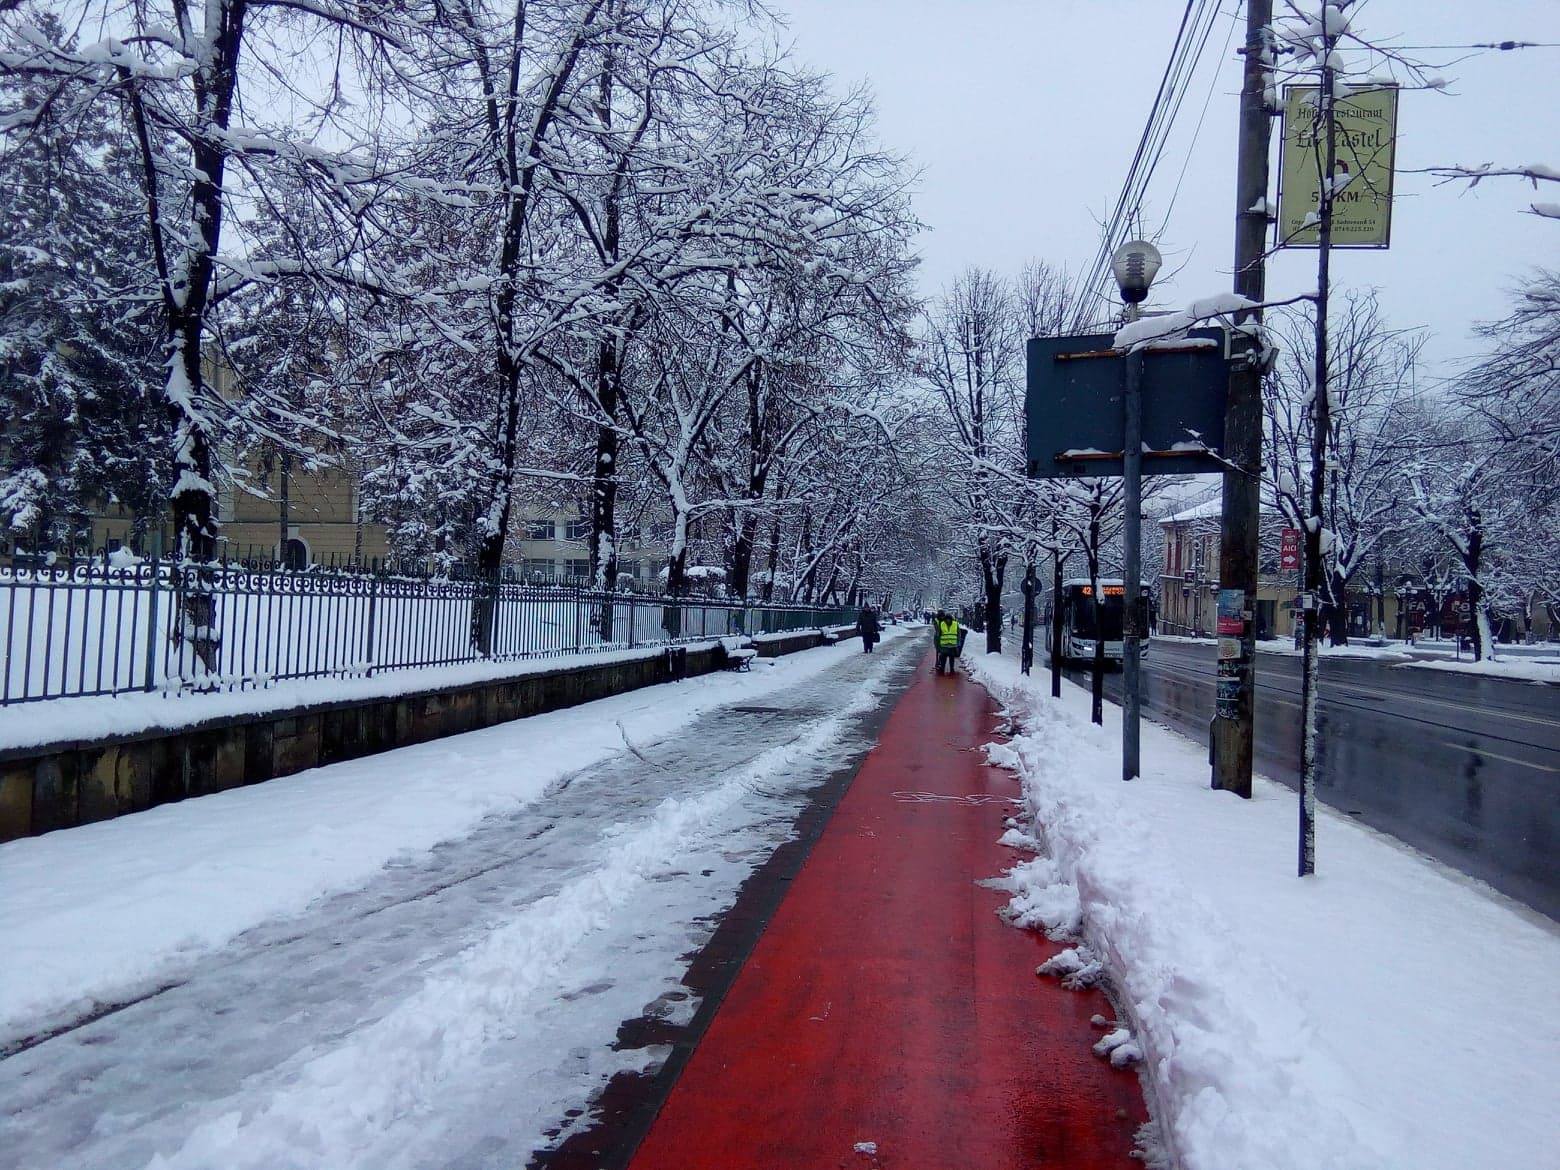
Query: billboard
column 1365, row 137
column 1074, row 409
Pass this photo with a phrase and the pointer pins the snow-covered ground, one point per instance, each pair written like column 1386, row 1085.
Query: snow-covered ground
column 1287, row 649
column 1385, row 1013
column 102, row 911
column 1530, row 663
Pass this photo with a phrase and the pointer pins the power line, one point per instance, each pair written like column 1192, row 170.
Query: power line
column 1102, row 253
column 1192, row 38
column 1213, row 82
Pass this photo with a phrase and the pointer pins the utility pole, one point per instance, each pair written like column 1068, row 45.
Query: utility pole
column 1235, row 705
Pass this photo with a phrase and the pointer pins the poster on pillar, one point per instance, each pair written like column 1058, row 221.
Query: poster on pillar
column 1227, row 689
column 1232, row 618
column 1289, row 550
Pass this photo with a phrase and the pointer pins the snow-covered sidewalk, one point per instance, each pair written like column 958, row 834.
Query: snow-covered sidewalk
column 99, row 912
column 463, row 1002
column 1387, row 1012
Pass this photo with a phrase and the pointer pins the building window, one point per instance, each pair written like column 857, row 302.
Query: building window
column 578, row 529
column 541, row 530
column 537, row 569
column 577, row 570
column 628, row 568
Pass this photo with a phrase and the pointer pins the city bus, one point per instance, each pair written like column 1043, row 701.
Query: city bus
column 1083, row 621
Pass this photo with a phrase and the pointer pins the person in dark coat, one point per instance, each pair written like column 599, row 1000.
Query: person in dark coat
column 868, row 627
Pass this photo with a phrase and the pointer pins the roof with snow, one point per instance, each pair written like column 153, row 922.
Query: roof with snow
column 1207, row 510
column 1202, row 511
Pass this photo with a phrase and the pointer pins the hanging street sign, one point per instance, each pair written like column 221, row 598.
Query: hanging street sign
column 1365, row 137
column 1289, row 549
column 1073, row 403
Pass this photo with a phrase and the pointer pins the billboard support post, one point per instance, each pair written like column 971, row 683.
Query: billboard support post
column 1132, row 504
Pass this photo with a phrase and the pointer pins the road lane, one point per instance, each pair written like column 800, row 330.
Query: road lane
column 1465, row 768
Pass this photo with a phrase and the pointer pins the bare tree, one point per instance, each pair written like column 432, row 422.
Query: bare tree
column 1372, row 387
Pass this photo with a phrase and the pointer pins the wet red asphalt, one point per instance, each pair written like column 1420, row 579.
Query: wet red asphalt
column 887, row 1003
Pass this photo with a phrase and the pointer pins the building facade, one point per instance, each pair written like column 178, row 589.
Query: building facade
column 553, row 545
column 1189, row 583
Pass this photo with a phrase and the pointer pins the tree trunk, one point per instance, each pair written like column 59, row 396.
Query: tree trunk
column 994, row 614
column 742, row 541
column 1478, row 616
column 774, row 559
column 283, row 506
column 992, row 567
column 1338, row 610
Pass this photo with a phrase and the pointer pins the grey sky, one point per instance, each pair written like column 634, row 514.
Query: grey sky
column 1024, row 116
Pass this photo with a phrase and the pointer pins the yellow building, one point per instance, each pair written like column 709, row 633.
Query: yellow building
column 280, row 510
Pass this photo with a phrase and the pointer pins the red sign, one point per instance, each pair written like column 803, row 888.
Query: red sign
column 1289, row 549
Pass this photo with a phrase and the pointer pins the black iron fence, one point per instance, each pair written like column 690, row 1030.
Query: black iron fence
column 113, row 625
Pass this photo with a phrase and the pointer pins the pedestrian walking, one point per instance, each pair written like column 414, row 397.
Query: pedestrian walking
column 868, row 626
column 945, row 636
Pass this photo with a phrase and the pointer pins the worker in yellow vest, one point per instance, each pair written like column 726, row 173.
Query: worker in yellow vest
column 945, row 633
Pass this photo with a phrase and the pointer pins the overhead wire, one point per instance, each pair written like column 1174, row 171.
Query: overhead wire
column 1120, row 211
column 1102, row 251
column 1182, row 67
column 1193, row 35
column 1202, row 115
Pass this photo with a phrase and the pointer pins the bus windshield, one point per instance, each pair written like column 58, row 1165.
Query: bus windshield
column 1112, row 614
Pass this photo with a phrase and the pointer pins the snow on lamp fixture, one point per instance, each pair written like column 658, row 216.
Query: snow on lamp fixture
column 1135, row 264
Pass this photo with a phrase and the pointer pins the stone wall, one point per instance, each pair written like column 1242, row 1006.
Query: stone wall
column 57, row 787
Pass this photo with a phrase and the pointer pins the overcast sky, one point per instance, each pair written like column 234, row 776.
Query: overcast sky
column 1023, row 117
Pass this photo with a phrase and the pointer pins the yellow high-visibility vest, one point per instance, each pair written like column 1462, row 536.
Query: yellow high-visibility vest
column 948, row 634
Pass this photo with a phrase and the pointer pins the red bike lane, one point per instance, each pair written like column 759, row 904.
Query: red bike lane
column 886, row 1016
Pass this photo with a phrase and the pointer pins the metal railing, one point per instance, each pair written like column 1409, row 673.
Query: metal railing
column 78, row 628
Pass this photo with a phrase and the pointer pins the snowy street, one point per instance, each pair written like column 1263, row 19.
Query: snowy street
column 533, row 540
column 459, row 1005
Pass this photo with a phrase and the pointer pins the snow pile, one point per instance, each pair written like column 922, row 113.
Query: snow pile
column 1521, row 669
column 104, row 910
column 1349, row 1020
column 1150, row 329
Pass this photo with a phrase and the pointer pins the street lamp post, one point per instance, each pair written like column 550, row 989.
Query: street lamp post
column 1135, row 264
